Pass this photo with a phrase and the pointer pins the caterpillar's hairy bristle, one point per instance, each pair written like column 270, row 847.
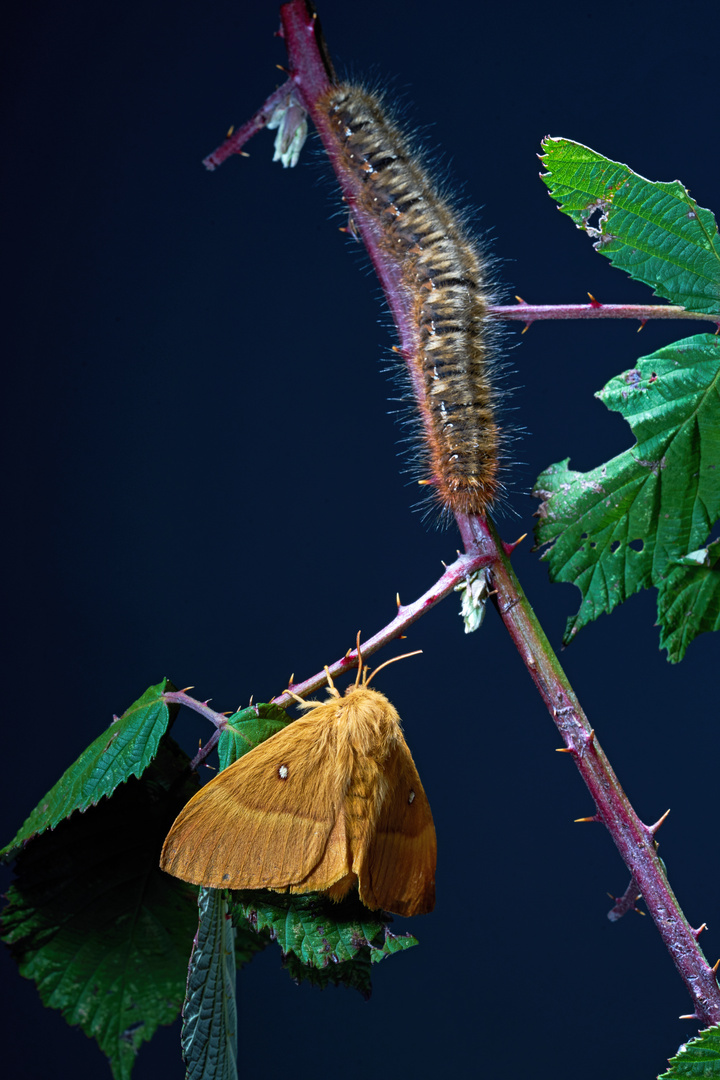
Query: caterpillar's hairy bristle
column 449, row 354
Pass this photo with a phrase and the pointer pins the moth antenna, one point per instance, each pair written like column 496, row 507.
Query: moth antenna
column 360, row 661
column 392, row 660
column 331, row 684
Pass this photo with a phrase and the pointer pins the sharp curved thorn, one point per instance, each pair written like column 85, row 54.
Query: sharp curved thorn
column 230, row 131
column 397, row 600
column 716, row 967
column 689, row 1016
column 207, row 701
column 509, row 548
column 654, row 828
column 186, row 688
column 699, row 931
column 520, row 300
column 583, row 819
column 250, row 701
column 591, row 737
column 564, row 750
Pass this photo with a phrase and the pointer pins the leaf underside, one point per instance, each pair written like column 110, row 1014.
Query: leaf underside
column 654, row 231
column 209, row 1032
column 644, row 518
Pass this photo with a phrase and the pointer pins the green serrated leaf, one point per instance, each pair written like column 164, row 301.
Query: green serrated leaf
column 125, row 749
column 689, row 600
column 209, row 1032
column 619, row 528
column 320, row 932
column 248, row 943
column 654, row 231
column 393, row 943
column 102, row 931
column 247, row 728
column 354, row 974
column 699, row 1057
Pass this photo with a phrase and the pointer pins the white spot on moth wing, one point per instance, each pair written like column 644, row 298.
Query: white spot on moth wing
column 411, row 796
column 283, row 772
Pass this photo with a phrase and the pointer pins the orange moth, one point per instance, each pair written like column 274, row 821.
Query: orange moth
column 332, row 801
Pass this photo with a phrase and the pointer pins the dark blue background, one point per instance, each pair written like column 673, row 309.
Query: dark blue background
column 202, row 482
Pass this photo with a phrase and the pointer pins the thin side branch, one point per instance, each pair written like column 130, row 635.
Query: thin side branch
column 530, row 313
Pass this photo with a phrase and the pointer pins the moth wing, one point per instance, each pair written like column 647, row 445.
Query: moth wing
column 265, row 821
column 397, row 872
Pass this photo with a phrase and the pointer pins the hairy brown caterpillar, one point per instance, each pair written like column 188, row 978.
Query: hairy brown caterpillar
column 446, row 343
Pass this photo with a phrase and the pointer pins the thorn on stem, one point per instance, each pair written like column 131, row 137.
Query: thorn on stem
column 593, row 302
column 699, row 931
column 595, row 817
column 509, row 548
column 654, row 828
column 716, row 967
column 565, row 750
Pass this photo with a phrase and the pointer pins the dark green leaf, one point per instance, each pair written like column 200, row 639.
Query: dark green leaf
column 354, row 974
column 247, row 728
column 103, row 932
column 654, row 231
column 125, row 749
column 624, row 525
column 209, row 1032
column 321, row 933
column 699, row 1057
column 689, row 600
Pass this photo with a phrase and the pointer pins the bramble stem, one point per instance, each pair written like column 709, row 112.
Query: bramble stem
column 530, row 313
column 310, row 74
column 633, row 839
